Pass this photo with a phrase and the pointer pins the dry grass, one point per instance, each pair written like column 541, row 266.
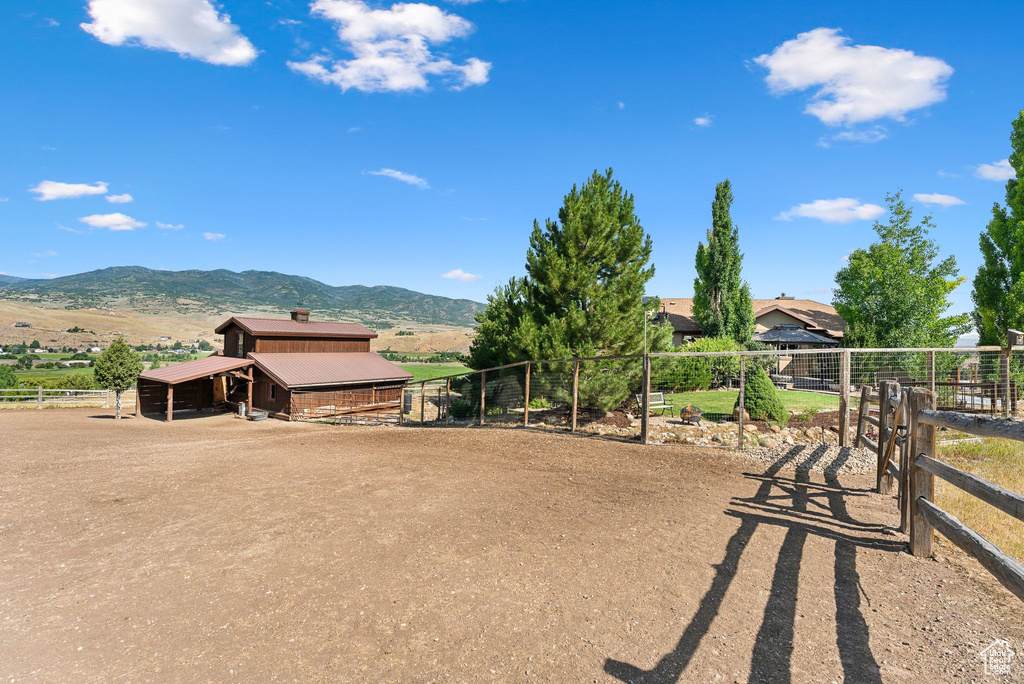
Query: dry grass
column 997, row 460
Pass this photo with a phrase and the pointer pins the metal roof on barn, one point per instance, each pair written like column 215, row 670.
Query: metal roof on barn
column 193, row 370
column 327, row 368
column 286, row 327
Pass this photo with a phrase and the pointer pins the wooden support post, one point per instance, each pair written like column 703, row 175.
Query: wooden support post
column 883, row 481
column 448, row 401
column 844, row 398
column 645, row 401
column 1005, row 372
column 170, row 402
column 39, row 401
column 575, row 391
column 138, row 402
column 439, row 403
column 904, row 490
column 106, row 400
column 743, row 397
column 423, row 402
column 401, row 404
column 248, row 407
column 931, row 371
column 862, row 413
column 526, row 397
column 483, row 394
column 922, row 484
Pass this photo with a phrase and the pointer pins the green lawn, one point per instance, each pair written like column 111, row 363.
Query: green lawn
column 425, row 371
column 721, row 402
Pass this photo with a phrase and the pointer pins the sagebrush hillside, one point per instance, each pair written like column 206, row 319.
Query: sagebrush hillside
column 222, row 291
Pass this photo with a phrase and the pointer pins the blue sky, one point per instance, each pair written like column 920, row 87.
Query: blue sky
column 379, row 144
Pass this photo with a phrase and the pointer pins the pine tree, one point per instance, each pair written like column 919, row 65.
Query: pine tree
column 118, row 369
column 721, row 300
column 894, row 294
column 999, row 285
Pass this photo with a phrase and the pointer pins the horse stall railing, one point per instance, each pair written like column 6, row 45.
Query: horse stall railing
column 379, row 404
column 926, row 517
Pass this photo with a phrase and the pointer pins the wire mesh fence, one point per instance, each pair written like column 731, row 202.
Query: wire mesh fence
column 812, row 393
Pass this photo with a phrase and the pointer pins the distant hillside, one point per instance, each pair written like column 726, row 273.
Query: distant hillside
column 10, row 280
column 222, row 291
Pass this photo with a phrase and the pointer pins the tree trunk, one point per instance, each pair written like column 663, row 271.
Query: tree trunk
column 117, row 403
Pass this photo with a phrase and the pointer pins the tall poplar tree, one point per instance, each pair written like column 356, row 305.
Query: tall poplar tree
column 721, row 300
column 999, row 285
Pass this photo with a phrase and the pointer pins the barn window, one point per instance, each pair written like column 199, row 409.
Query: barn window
column 241, row 345
column 272, row 392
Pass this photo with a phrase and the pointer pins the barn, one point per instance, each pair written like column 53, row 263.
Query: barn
column 292, row 368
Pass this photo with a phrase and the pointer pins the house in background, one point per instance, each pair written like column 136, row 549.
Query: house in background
column 783, row 322
column 291, row 368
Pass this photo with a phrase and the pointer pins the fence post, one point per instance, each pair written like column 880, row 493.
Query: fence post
column 448, row 401
column 106, row 400
column 423, row 402
column 1006, row 381
column 931, row 371
column 483, row 394
column 526, row 397
column 138, row 402
column 645, row 399
column 922, row 485
column 905, row 458
column 575, row 391
column 743, row 402
column 862, row 411
column 882, row 480
column 844, row 398
column 439, row 405
column 40, row 398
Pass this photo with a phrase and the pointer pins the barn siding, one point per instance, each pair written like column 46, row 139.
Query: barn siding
column 188, row 396
column 300, row 345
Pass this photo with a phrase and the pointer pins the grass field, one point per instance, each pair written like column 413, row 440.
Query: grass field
column 721, row 402
column 430, row 371
column 997, row 460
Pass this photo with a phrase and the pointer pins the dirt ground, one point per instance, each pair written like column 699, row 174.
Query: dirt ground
column 213, row 549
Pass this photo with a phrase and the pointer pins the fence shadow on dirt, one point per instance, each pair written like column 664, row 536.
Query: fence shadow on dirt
column 804, row 508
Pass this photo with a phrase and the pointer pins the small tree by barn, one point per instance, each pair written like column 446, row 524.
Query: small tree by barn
column 118, row 369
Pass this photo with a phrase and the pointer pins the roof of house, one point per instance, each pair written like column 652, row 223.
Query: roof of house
column 322, row 369
column 286, row 327
column 792, row 334
column 820, row 317
column 193, row 370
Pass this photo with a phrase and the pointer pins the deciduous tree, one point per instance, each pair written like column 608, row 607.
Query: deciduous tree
column 999, row 284
column 894, row 294
column 118, row 369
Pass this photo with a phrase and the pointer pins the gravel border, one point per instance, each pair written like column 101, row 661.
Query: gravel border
column 828, row 459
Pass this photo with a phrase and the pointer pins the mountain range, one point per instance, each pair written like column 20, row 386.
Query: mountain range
column 147, row 290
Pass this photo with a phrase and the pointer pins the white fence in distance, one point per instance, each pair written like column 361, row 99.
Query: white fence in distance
column 40, row 398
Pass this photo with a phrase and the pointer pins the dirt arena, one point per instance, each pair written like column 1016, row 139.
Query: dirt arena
column 213, row 549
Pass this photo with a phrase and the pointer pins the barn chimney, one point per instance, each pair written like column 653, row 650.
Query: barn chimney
column 300, row 315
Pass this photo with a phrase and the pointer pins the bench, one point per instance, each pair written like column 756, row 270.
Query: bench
column 657, row 401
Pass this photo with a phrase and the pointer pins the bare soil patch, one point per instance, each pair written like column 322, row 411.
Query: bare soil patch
column 217, row 549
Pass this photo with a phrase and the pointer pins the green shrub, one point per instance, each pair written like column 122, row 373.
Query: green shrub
column 8, row 380
column 539, row 403
column 461, row 409
column 696, row 373
column 81, row 381
column 762, row 399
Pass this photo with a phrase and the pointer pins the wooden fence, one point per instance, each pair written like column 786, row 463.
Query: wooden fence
column 39, row 398
column 907, row 419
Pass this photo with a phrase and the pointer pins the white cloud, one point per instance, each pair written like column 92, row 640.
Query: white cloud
column 855, row 83
column 120, row 199
column 69, row 230
column 52, row 190
column 996, row 171
column 214, row 237
column 191, row 28
column 838, row 210
column 704, row 121
column 391, row 48
column 621, row 104
column 169, row 226
column 47, row 253
column 115, row 221
column 459, row 274
column 4, row 199
column 938, row 198
column 946, row 174
column 401, row 176
column 474, row 218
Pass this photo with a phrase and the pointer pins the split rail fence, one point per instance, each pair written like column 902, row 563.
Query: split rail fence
column 39, row 398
